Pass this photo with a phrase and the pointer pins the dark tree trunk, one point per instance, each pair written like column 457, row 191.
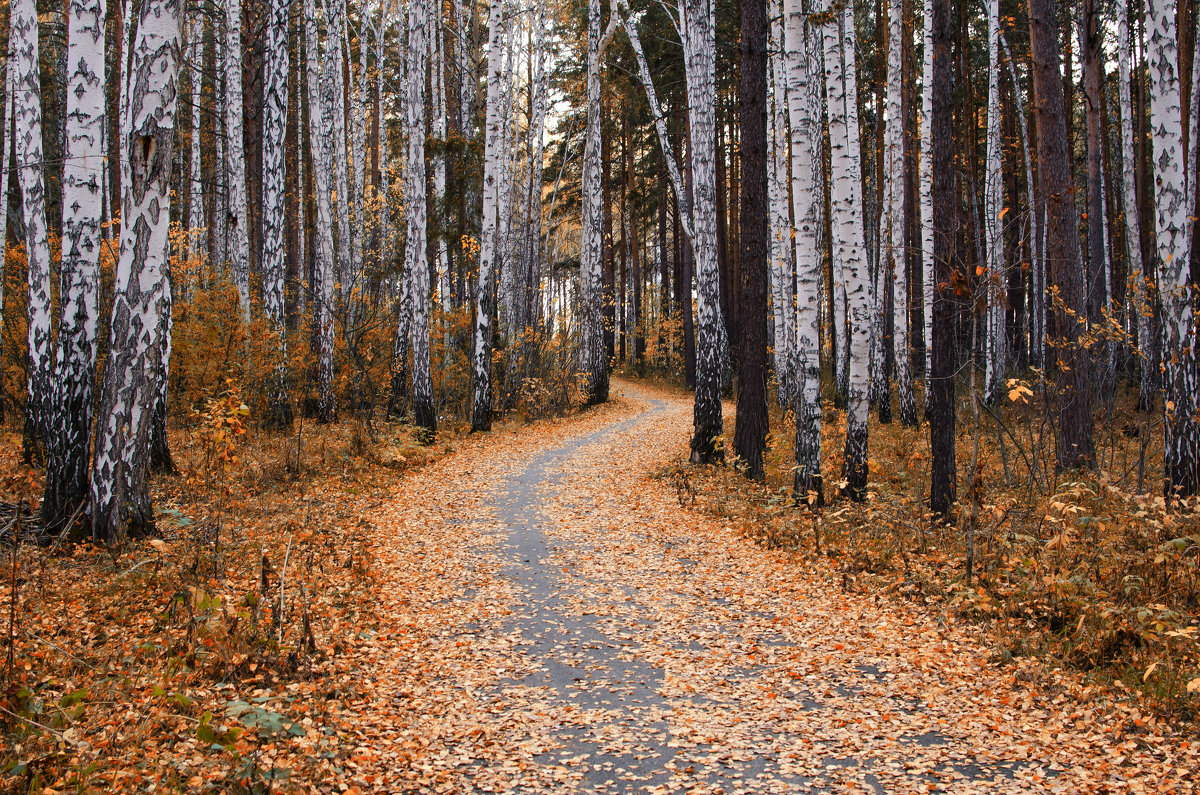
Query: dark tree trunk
column 1095, row 205
column 750, row 435
column 941, row 379
column 1062, row 249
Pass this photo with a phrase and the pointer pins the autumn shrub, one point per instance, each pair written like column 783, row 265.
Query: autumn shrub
column 1088, row 570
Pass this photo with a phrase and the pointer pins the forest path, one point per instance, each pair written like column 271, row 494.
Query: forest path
column 557, row 622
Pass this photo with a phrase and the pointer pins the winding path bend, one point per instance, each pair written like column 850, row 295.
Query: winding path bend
column 555, row 621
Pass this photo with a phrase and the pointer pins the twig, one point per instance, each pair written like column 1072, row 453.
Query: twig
column 283, row 584
column 12, row 595
column 32, row 722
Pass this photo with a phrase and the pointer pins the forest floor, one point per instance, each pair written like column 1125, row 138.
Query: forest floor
column 539, row 609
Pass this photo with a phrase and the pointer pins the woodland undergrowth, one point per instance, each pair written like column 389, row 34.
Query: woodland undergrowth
column 205, row 658
column 1088, row 571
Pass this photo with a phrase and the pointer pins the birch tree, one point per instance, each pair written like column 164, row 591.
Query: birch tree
column 993, row 202
column 334, row 86
column 698, row 30
column 70, row 408
column 195, row 220
column 592, row 364
column 782, row 259
column 236, row 218
column 27, row 132
column 848, row 238
column 481, row 415
column 896, row 220
column 925, row 187
column 802, row 52
column 120, row 486
column 1173, row 199
column 416, row 263
column 274, row 238
column 320, row 129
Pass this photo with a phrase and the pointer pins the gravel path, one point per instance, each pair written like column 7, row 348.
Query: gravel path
column 569, row 627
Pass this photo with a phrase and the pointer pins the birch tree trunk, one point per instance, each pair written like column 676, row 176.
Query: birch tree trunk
column 27, row 132
column 1172, row 202
column 120, row 486
column 993, row 202
column 320, row 117
column 481, row 415
column 783, row 264
column 274, row 249
column 592, row 363
column 897, row 222
column 237, row 220
column 415, row 257
column 5, row 167
column 69, row 437
column 848, row 239
column 358, row 136
column 926, row 191
column 196, row 222
column 801, row 49
column 698, row 29
column 333, row 84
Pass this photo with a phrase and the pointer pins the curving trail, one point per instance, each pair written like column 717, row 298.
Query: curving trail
column 555, row 621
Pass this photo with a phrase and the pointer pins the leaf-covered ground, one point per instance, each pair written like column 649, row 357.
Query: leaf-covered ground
column 552, row 619
column 529, row 610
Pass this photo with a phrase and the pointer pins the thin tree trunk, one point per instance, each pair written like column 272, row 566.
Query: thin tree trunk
column 481, row 415
column 416, row 265
column 237, row 220
column 896, row 220
column 996, row 355
column 274, row 248
column 1062, row 252
column 940, row 119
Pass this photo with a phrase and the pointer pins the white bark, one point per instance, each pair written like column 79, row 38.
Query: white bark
column 333, row 84
column 481, row 417
column 27, row 129
column 358, row 135
column 195, row 222
column 802, row 52
column 782, row 264
column 1173, row 204
column 698, row 28
column 320, row 129
column 69, row 434
column 6, row 115
column 592, row 362
column 274, row 213
column 993, row 204
column 274, row 167
column 897, row 222
column 925, row 191
column 848, row 238
column 415, row 257
column 237, row 219
column 138, row 340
